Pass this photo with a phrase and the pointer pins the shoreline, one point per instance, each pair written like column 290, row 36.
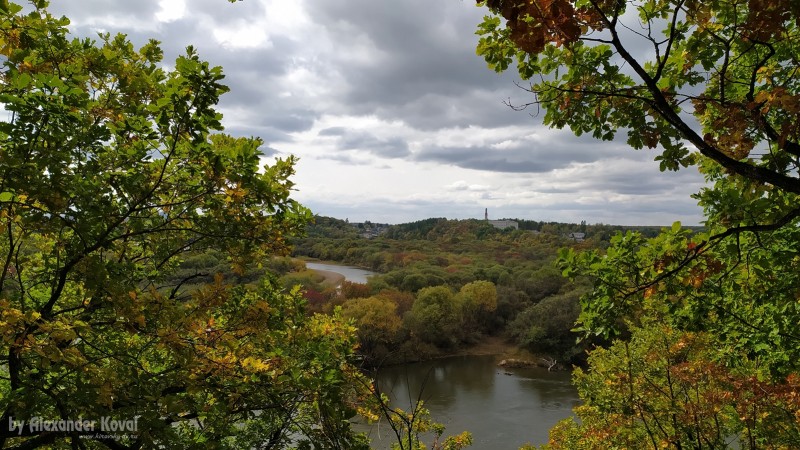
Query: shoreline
column 306, row 259
column 489, row 346
column 330, row 278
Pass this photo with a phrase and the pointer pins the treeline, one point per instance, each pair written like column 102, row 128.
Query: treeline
column 445, row 284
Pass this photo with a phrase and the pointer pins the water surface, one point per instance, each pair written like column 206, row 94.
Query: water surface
column 502, row 408
column 350, row 273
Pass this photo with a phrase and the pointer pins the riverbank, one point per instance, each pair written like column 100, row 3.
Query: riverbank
column 503, row 351
column 489, row 346
column 335, row 273
column 330, row 278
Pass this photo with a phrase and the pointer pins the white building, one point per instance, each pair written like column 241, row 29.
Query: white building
column 503, row 224
column 500, row 224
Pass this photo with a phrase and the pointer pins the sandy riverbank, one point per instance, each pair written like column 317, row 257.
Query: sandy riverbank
column 332, row 279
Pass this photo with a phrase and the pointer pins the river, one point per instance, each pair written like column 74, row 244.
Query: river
column 502, row 408
column 354, row 274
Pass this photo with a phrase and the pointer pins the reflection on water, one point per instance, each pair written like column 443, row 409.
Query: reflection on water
column 350, row 273
column 502, row 408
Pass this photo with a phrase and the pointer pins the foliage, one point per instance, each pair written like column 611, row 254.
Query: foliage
column 729, row 64
column 110, row 174
column 547, row 326
column 665, row 388
column 407, row 427
column 476, row 302
column 733, row 295
column 718, row 78
column 506, row 271
column 434, row 317
column 742, row 289
column 377, row 322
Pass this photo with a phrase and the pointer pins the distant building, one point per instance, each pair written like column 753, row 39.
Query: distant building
column 370, row 230
column 503, row 224
column 500, row 224
column 577, row 237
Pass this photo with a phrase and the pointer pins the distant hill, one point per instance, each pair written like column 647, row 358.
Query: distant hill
column 439, row 227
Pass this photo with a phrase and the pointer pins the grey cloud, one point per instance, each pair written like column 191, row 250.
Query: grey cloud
column 350, row 160
column 408, row 210
column 87, row 10
column 250, row 73
column 287, row 120
column 482, row 158
column 268, row 134
column 527, row 155
column 333, row 131
column 642, row 183
column 467, row 187
column 226, row 13
column 145, row 11
column 356, row 140
column 387, row 148
column 431, row 111
column 269, row 151
column 425, row 71
column 422, row 70
column 633, row 178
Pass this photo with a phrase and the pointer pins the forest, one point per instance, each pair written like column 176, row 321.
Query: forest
column 445, row 284
column 147, row 277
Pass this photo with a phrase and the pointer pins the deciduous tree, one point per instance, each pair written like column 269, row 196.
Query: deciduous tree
column 719, row 77
column 477, row 302
column 434, row 316
column 111, row 172
column 377, row 322
column 713, row 84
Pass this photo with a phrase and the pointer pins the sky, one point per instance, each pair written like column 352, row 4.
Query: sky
column 392, row 115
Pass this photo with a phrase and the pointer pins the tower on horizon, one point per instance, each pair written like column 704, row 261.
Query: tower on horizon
column 486, row 214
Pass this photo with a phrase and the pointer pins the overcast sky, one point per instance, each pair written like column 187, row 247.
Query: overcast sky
column 393, row 115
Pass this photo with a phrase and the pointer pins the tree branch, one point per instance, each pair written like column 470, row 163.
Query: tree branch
column 663, row 107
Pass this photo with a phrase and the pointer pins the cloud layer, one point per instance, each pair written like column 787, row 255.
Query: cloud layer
column 393, row 116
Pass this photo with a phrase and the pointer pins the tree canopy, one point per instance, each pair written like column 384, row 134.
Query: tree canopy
column 713, row 84
column 717, row 76
column 112, row 171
